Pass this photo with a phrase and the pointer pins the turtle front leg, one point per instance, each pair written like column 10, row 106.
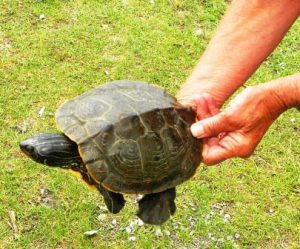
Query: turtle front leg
column 157, row 208
column 114, row 201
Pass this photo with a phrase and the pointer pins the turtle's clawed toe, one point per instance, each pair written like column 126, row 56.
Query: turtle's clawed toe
column 114, row 201
column 157, row 208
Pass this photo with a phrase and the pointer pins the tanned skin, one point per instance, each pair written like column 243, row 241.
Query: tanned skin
column 247, row 34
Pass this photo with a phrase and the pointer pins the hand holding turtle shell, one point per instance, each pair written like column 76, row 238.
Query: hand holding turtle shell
column 245, row 37
column 236, row 131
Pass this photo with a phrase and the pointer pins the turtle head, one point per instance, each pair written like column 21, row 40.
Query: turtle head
column 56, row 150
column 52, row 150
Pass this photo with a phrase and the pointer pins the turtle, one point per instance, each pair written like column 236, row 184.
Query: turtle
column 124, row 137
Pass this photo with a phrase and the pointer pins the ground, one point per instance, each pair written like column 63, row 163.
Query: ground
column 53, row 50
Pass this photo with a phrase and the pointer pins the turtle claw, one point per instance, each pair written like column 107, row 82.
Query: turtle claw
column 157, row 208
column 114, row 201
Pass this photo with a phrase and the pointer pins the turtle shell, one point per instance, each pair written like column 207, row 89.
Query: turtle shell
column 133, row 137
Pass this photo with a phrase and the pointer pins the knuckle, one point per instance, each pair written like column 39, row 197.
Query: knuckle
column 246, row 149
column 228, row 116
column 246, row 154
column 207, row 162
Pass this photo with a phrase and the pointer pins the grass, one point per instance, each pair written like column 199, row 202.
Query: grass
column 80, row 44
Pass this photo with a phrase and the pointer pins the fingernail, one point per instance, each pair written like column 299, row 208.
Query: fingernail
column 197, row 130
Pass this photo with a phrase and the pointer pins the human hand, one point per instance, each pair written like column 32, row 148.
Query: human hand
column 236, row 131
column 194, row 88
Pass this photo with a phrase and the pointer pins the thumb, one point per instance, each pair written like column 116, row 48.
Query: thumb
column 211, row 126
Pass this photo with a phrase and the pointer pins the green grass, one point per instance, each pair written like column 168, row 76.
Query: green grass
column 81, row 44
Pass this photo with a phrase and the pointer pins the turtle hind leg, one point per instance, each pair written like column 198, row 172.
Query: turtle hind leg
column 114, row 201
column 157, row 208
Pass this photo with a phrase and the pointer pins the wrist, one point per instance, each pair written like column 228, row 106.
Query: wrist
column 196, row 86
column 283, row 93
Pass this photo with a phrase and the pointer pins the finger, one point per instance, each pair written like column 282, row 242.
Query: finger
column 211, row 127
column 215, row 154
column 201, row 107
column 211, row 104
column 211, row 141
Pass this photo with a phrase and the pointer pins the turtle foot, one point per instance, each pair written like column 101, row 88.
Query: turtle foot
column 157, row 208
column 114, row 201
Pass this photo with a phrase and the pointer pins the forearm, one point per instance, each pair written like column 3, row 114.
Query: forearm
column 248, row 33
column 283, row 93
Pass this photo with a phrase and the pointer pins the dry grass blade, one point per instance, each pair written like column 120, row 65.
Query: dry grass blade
column 13, row 223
